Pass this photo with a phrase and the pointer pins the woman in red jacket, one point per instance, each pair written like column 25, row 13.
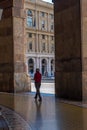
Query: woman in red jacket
column 37, row 79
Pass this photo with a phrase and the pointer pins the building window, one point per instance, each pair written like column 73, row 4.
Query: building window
column 51, row 26
column 30, row 34
column 52, row 37
column 42, row 14
column 29, row 18
column 43, row 24
column 30, row 46
column 52, row 47
column 51, row 16
column 43, row 47
column 43, row 36
column 29, row 21
column 29, row 13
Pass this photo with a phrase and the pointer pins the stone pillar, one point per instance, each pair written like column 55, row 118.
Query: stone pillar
column 48, row 22
column 40, row 65
column 69, row 49
column 84, row 47
column 37, row 49
column 13, row 75
column 39, row 26
column 49, row 66
column 37, row 62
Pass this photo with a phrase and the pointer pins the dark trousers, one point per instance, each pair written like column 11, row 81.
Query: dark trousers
column 37, row 86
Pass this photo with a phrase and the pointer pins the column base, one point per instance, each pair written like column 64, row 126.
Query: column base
column 22, row 82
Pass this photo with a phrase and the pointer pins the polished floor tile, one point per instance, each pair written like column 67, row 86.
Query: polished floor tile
column 22, row 112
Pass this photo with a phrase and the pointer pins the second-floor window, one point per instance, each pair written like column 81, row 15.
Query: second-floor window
column 30, row 34
column 29, row 21
column 30, row 46
column 42, row 14
column 52, row 47
column 51, row 16
column 43, row 47
column 43, row 36
column 29, row 18
column 29, row 13
column 52, row 38
column 51, row 26
column 43, row 24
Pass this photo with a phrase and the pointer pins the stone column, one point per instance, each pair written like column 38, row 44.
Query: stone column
column 37, row 48
column 37, row 62
column 84, row 47
column 27, row 65
column 49, row 43
column 48, row 21
column 40, row 65
column 40, row 44
column 12, row 61
column 39, row 27
column 49, row 67
column 69, row 48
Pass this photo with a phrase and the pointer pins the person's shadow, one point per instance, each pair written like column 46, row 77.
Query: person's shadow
column 38, row 119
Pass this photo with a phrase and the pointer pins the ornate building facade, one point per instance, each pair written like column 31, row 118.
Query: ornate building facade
column 39, row 33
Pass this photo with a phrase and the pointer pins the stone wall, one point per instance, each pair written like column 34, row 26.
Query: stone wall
column 6, row 49
column 12, row 63
column 68, row 60
column 84, row 47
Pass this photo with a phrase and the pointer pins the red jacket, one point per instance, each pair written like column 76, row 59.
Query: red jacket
column 37, row 77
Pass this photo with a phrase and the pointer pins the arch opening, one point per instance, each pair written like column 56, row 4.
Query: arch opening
column 40, row 32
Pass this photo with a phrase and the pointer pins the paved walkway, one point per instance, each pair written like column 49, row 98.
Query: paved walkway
column 47, row 86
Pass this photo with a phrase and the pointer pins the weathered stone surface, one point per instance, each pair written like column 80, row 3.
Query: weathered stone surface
column 18, row 3
column 18, row 12
column 6, row 3
column 69, row 85
column 84, row 86
column 6, row 82
column 12, row 64
column 68, row 60
column 11, row 3
column 22, row 82
column 71, row 49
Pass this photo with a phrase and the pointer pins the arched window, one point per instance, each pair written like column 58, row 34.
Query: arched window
column 29, row 13
column 31, row 66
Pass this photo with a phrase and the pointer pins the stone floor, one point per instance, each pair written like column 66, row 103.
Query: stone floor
column 22, row 112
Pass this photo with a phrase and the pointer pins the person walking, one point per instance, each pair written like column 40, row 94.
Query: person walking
column 37, row 79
